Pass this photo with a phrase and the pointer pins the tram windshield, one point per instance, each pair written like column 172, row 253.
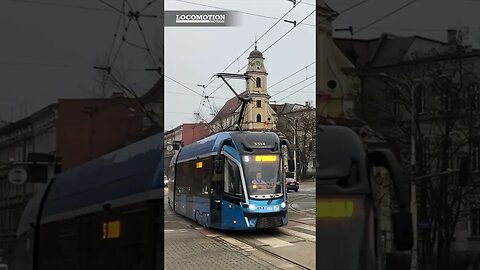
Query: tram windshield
column 263, row 175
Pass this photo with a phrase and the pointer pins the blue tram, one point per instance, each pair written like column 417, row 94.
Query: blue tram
column 231, row 180
column 105, row 214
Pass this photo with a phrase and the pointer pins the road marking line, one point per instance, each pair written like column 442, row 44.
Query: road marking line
column 273, row 241
column 237, row 243
column 307, row 227
column 306, row 218
column 305, row 236
column 175, row 230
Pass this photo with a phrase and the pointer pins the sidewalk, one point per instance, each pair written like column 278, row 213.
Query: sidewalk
column 204, row 253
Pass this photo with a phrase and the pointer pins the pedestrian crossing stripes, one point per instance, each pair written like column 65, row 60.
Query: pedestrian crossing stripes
column 237, row 243
column 305, row 219
column 284, row 237
column 175, row 230
column 297, row 233
column 273, row 241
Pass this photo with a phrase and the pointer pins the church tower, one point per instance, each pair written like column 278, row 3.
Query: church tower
column 258, row 113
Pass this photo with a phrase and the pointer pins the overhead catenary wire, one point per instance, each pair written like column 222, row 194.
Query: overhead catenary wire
column 340, row 13
column 385, row 16
column 276, row 41
column 291, row 29
column 291, row 75
column 297, row 91
column 133, row 93
column 184, row 86
column 111, row 6
column 297, row 83
column 242, row 12
column 246, row 50
column 251, row 45
column 236, row 59
column 63, row 5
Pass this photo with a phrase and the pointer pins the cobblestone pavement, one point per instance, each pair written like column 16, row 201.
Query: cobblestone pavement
column 207, row 253
column 190, row 246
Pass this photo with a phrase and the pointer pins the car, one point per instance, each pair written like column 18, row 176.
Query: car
column 292, row 184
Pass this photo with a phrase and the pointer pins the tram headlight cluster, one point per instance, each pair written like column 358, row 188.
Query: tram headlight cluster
column 283, row 204
column 251, row 207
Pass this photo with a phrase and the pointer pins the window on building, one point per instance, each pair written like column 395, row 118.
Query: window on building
column 259, row 103
column 259, row 118
column 259, row 82
column 474, row 219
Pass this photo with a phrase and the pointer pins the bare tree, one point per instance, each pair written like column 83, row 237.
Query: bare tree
column 302, row 126
column 444, row 128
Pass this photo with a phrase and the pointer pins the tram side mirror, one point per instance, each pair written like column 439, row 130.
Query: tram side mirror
column 402, row 229
column 219, row 163
column 291, row 165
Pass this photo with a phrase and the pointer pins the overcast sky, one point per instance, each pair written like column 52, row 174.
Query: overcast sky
column 194, row 55
column 49, row 47
column 429, row 18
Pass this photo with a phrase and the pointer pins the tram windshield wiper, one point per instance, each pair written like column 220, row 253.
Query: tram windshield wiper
column 271, row 199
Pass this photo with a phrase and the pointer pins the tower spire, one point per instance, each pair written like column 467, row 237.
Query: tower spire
column 255, row 42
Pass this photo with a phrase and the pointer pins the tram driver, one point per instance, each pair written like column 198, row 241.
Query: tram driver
column 258, row 179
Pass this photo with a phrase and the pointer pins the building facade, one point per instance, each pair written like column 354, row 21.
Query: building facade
column 33, row 134
column 183, row 135
column 435, row 85
column 335, row 85
column 75, row 131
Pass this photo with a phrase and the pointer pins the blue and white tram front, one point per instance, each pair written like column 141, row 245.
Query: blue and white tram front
column 232, row 181
column 258, row 182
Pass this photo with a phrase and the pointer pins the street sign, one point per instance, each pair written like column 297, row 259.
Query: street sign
column 17, row 176
column 169, row 147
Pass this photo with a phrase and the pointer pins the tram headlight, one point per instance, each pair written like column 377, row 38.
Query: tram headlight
column 283, row 204
column 251, row 207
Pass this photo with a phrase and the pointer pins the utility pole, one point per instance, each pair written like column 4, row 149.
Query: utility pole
column 414, row 258
column 295, row 148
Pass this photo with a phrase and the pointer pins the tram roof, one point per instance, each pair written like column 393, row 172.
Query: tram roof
column 131, row 170
column 210, row 144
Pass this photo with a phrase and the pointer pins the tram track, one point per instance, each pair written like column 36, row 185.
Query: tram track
column 270, row 253
column 305, row 212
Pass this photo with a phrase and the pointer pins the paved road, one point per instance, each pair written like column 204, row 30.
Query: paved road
column 190, row 246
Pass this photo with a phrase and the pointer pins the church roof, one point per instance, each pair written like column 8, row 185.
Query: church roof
column 228, row 109
column 255, row 54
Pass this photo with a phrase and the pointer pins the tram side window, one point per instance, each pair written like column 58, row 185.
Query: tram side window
column 206, row 175
column 233, row 183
